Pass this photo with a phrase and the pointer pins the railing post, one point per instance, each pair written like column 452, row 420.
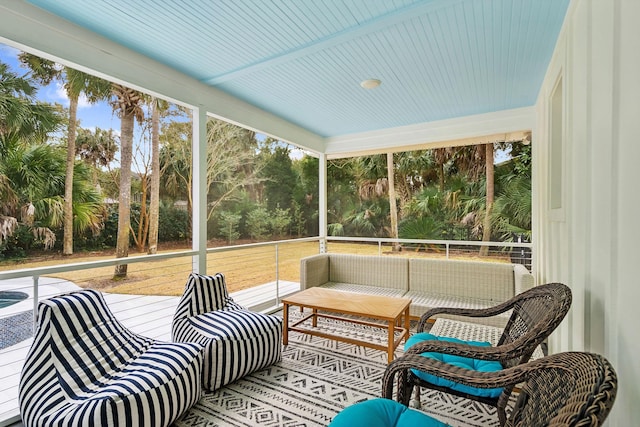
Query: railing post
column 447, row 246
column 379, row 247
column 199, row 190
column 35, row 303
column 277, row 278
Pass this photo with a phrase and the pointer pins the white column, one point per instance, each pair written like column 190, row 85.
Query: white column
column 199, row 190
column 322, row 202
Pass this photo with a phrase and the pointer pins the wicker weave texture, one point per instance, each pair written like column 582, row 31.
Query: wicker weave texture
column 535, row 314
column 362, row 289
column 475, row 280
column 472, row 332
column 565, row 389
column 429, row 283
column 385, row 272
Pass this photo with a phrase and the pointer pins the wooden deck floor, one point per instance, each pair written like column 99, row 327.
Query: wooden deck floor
column 147, row 315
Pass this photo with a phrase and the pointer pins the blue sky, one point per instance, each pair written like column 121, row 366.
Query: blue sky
column 91, row 116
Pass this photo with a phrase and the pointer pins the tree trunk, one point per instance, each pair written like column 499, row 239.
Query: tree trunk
column 154, row 208
column 124, row 208
column 67, row 246
column 143, row 224
column 490, row 196
column 393, row 209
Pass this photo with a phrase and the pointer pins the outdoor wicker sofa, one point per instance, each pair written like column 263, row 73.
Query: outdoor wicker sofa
column 428, row 282
column 566, row 389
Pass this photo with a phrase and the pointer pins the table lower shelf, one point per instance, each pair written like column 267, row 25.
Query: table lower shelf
column 392, row 343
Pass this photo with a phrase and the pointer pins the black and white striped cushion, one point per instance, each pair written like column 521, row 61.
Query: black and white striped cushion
column 237, row 341
column 85, row 368
column 209, row 293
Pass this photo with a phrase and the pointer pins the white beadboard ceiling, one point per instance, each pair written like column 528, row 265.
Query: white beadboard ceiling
column 303, row 60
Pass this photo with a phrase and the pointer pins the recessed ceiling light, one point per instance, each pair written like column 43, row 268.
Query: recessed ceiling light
column 370, row 83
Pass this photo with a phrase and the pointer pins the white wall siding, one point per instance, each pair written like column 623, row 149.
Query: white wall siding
column 593, row 245
column 622, row 330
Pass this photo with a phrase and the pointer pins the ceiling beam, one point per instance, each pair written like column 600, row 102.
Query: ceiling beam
column 481, row 128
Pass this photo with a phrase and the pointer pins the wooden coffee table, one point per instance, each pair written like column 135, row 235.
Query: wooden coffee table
column 389, row 309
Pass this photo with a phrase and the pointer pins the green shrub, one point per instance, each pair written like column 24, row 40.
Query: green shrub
column 228, row 223
column 174, row 224
column 105, row 239
column 299, row 219
column 258, row 221
column 280, row 220
column 17, row 245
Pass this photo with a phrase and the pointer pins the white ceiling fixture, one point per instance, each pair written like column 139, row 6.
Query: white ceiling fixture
column 370, row 83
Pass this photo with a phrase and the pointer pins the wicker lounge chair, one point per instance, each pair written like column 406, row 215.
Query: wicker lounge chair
column 86, row 369
column 534, row 316
column 566, row 389
column 236, row 341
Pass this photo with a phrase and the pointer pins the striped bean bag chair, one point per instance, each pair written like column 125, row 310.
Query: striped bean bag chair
column 237, row 341
column 84, row 368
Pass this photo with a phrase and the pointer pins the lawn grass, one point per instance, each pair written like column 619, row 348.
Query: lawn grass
column 243, row 267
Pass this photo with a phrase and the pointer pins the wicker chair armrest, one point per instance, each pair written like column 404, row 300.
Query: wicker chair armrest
column 499, row 353
column 497, row 379
column 465, row 312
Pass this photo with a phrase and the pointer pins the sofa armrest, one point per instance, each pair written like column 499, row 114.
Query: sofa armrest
column 522, row 279
column 314, row 271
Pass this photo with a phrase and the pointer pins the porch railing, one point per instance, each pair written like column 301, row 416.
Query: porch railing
column 515, row 252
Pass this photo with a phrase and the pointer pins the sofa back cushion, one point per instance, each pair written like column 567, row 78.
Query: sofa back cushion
column 382, row 271
column 482, row 280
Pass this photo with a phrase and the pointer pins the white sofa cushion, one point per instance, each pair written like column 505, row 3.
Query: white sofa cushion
column 380, row 271
column 363, row 289
column 484, row 281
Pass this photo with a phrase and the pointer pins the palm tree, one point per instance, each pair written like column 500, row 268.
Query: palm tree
column 76, row 83
column 97, row 148
column 501, row 202
column 37, row 174
column 154, row 205
column 128, row 105
column 441, row 156
column 22, row 119
column 23, row 123
column 511, row 212
column 512, row 208
column 175, row 162
column 489, row 199
column 471, row 161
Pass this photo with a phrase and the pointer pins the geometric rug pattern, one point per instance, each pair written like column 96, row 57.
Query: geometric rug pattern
column 316, row 378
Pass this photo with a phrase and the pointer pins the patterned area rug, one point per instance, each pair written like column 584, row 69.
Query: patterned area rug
column 317, row 378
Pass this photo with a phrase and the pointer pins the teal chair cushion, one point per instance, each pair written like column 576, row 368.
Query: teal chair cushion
column 459, row 361
column 383, row 413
